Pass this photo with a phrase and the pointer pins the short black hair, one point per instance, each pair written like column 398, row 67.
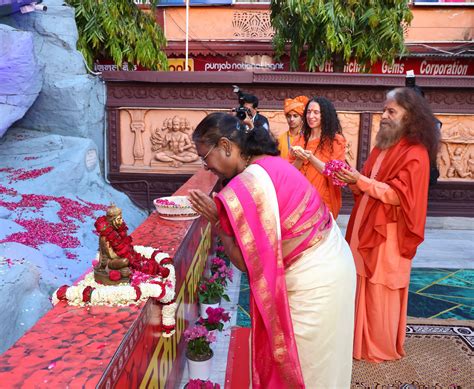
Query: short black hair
column 248, row 98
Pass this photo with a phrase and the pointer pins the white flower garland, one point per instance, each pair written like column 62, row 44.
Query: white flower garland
column 125, row 294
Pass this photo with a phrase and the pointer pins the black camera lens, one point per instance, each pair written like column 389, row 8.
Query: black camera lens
column 241, row 113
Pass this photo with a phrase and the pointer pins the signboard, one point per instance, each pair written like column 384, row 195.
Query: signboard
column 420, row 66
column 213, row 63
column 165, row 3
column 178, row 64
column 163, row 369
column 174, row 65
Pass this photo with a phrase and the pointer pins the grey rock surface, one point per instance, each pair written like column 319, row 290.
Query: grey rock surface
column 21, row 76
column 51, row 193
column 71, row 100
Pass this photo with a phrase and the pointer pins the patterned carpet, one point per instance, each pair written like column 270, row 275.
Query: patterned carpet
column 434, row 293
column 440, row 354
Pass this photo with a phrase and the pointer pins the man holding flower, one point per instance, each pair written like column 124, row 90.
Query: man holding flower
column 388, row 221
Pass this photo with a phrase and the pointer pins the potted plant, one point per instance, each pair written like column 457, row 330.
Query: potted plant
column 220, row 252
column 223, row 271
column 198, row 352
column 216, row 317
column 200, row 384
column 210, row 293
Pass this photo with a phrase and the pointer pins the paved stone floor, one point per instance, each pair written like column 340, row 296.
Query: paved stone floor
column 441, row 286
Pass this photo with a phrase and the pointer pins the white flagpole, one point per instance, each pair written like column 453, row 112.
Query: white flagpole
column 187, row 36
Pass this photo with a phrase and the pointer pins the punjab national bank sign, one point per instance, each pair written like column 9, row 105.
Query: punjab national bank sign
column 420, row 66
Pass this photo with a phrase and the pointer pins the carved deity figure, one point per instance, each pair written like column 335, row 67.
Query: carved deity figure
column 470, row 164
column 173, row 143
column 114, row 244
column 456, row 167
column 349, row 153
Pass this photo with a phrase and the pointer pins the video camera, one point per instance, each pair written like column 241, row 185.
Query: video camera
column 410, row 79
column 241, row 111
column 411, row 83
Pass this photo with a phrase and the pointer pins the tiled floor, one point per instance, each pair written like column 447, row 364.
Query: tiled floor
column 433, row 293
column 442, row 293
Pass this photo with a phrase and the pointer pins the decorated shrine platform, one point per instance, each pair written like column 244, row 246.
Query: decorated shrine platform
column 120, row 347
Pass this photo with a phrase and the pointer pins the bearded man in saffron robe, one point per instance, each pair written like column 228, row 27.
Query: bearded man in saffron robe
column 388, row 221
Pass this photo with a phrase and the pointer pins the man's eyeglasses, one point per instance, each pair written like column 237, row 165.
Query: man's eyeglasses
column 203, row 159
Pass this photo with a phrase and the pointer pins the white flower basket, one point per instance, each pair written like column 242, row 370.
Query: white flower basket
column 175, row 208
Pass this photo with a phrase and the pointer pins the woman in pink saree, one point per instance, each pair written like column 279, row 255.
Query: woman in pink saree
column 275, row 227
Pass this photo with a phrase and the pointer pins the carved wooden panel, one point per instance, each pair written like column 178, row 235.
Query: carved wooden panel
column 277, row 120
column 376, row 118
column 158, row 141
column 113, row 140
column 350, row 123
column 142, row 105
column 364, row 138
column 343, row 98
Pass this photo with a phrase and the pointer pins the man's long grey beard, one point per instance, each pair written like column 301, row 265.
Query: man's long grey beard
column 388, row 135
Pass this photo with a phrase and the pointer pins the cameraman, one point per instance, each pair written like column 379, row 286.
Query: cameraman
column 250, row 102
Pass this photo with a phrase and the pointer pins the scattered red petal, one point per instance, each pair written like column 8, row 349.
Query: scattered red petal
column 8, row 191
column 70, row 255
column 24, row 174
column 38, row 230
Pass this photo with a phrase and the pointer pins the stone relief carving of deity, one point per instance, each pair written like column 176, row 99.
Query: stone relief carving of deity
column 457, row 165
column 456, row 155
column 172, row 142
column 349, row 154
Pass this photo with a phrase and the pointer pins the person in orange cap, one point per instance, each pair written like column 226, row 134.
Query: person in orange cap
column 294, row 109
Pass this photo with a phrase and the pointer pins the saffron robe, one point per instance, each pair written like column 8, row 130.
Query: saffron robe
column 285, row 141
column 330, row 193
column 386, row 226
